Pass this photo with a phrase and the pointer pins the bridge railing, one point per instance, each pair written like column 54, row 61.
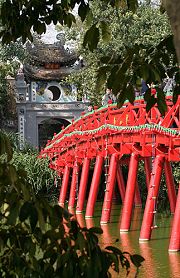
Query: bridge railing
column 128, row 115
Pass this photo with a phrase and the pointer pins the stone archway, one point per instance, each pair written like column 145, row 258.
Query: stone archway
column 47, row 128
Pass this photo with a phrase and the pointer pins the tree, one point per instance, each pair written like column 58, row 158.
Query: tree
column 147, row 27
column 19, row 18
column 10, row 58
column 173, row 10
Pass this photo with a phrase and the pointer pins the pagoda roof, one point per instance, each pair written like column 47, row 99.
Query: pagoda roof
column 51, row 53
column 40, row 73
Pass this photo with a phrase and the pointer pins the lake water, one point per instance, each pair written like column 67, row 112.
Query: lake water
column 158, row 262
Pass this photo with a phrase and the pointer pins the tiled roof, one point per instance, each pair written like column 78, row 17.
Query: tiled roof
column 40, row 73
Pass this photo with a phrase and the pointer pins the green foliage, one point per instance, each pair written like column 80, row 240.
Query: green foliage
column 39, row 176
column 140, row 36
column 19, row 18
column 91, row 37
column 139, row 47
column 10, row 57
column 176, row 172
column 40, row 240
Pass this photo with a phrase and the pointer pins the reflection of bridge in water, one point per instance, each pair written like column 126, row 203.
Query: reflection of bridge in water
column 158, row 263
column 113, row 137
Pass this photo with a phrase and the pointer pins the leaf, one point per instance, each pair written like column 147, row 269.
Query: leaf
column 30, row 246
column 49, row 253
column 114, row 250
column 69, row 19
column 66, row 214
column 151, row 100
column 38, row 234
column 25, row 211
column 63, row 259
column 150, row 103
column 8, row 148
column 74, row 228
column 89, row 18
column 29, row 211
column 144, row 72
column 101, row 78
column 48, row 20
column 130, row 93
column 83, row 10
column 33, row 218
column 132, row 5
column 26, row 193
column 147, row 95
column 136, row 259
column 166, row 59
column 6, row 38
column 40, row 27
column 154, row 73
column 106, row 32
column 13, row 214
column 161, row 101
column 113, row 80
column 114, row 261
column 176, row 93
column 81, row 241
column 121, row 99
column 12, row 174
column 56, row 216
column 96, row 230
column 91, row 38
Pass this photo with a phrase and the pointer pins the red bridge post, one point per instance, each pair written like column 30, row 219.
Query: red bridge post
column 130, row 192
column 64, row 186
column 137, row 196
column 147, row 166
column 170, row 185
column 94, row 187
column 174, row 244
column 83, row 185
column 150, row 208
column 74, row 186
column 106, row 211
column 120, row 182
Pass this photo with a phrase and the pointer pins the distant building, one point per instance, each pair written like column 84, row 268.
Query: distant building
column 45, row 103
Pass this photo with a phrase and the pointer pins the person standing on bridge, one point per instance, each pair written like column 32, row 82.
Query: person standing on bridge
column 144, row 87
column 108, row 98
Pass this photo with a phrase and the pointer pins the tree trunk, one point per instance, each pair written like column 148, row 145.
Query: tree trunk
column 173, row 10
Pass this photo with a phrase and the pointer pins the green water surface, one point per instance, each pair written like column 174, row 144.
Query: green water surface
column 158, row 262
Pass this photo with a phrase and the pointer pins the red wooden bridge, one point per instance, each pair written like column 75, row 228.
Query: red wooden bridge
column 113, row 137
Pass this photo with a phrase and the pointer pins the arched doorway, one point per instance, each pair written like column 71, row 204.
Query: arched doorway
column 47, row 128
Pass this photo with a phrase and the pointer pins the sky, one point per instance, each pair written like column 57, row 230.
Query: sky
column 50, row 35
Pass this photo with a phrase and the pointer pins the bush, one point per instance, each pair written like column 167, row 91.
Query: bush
column 43, row 180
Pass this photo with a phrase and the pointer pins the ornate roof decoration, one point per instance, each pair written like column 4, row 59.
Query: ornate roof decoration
column 49, row 61
column 41, row 53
